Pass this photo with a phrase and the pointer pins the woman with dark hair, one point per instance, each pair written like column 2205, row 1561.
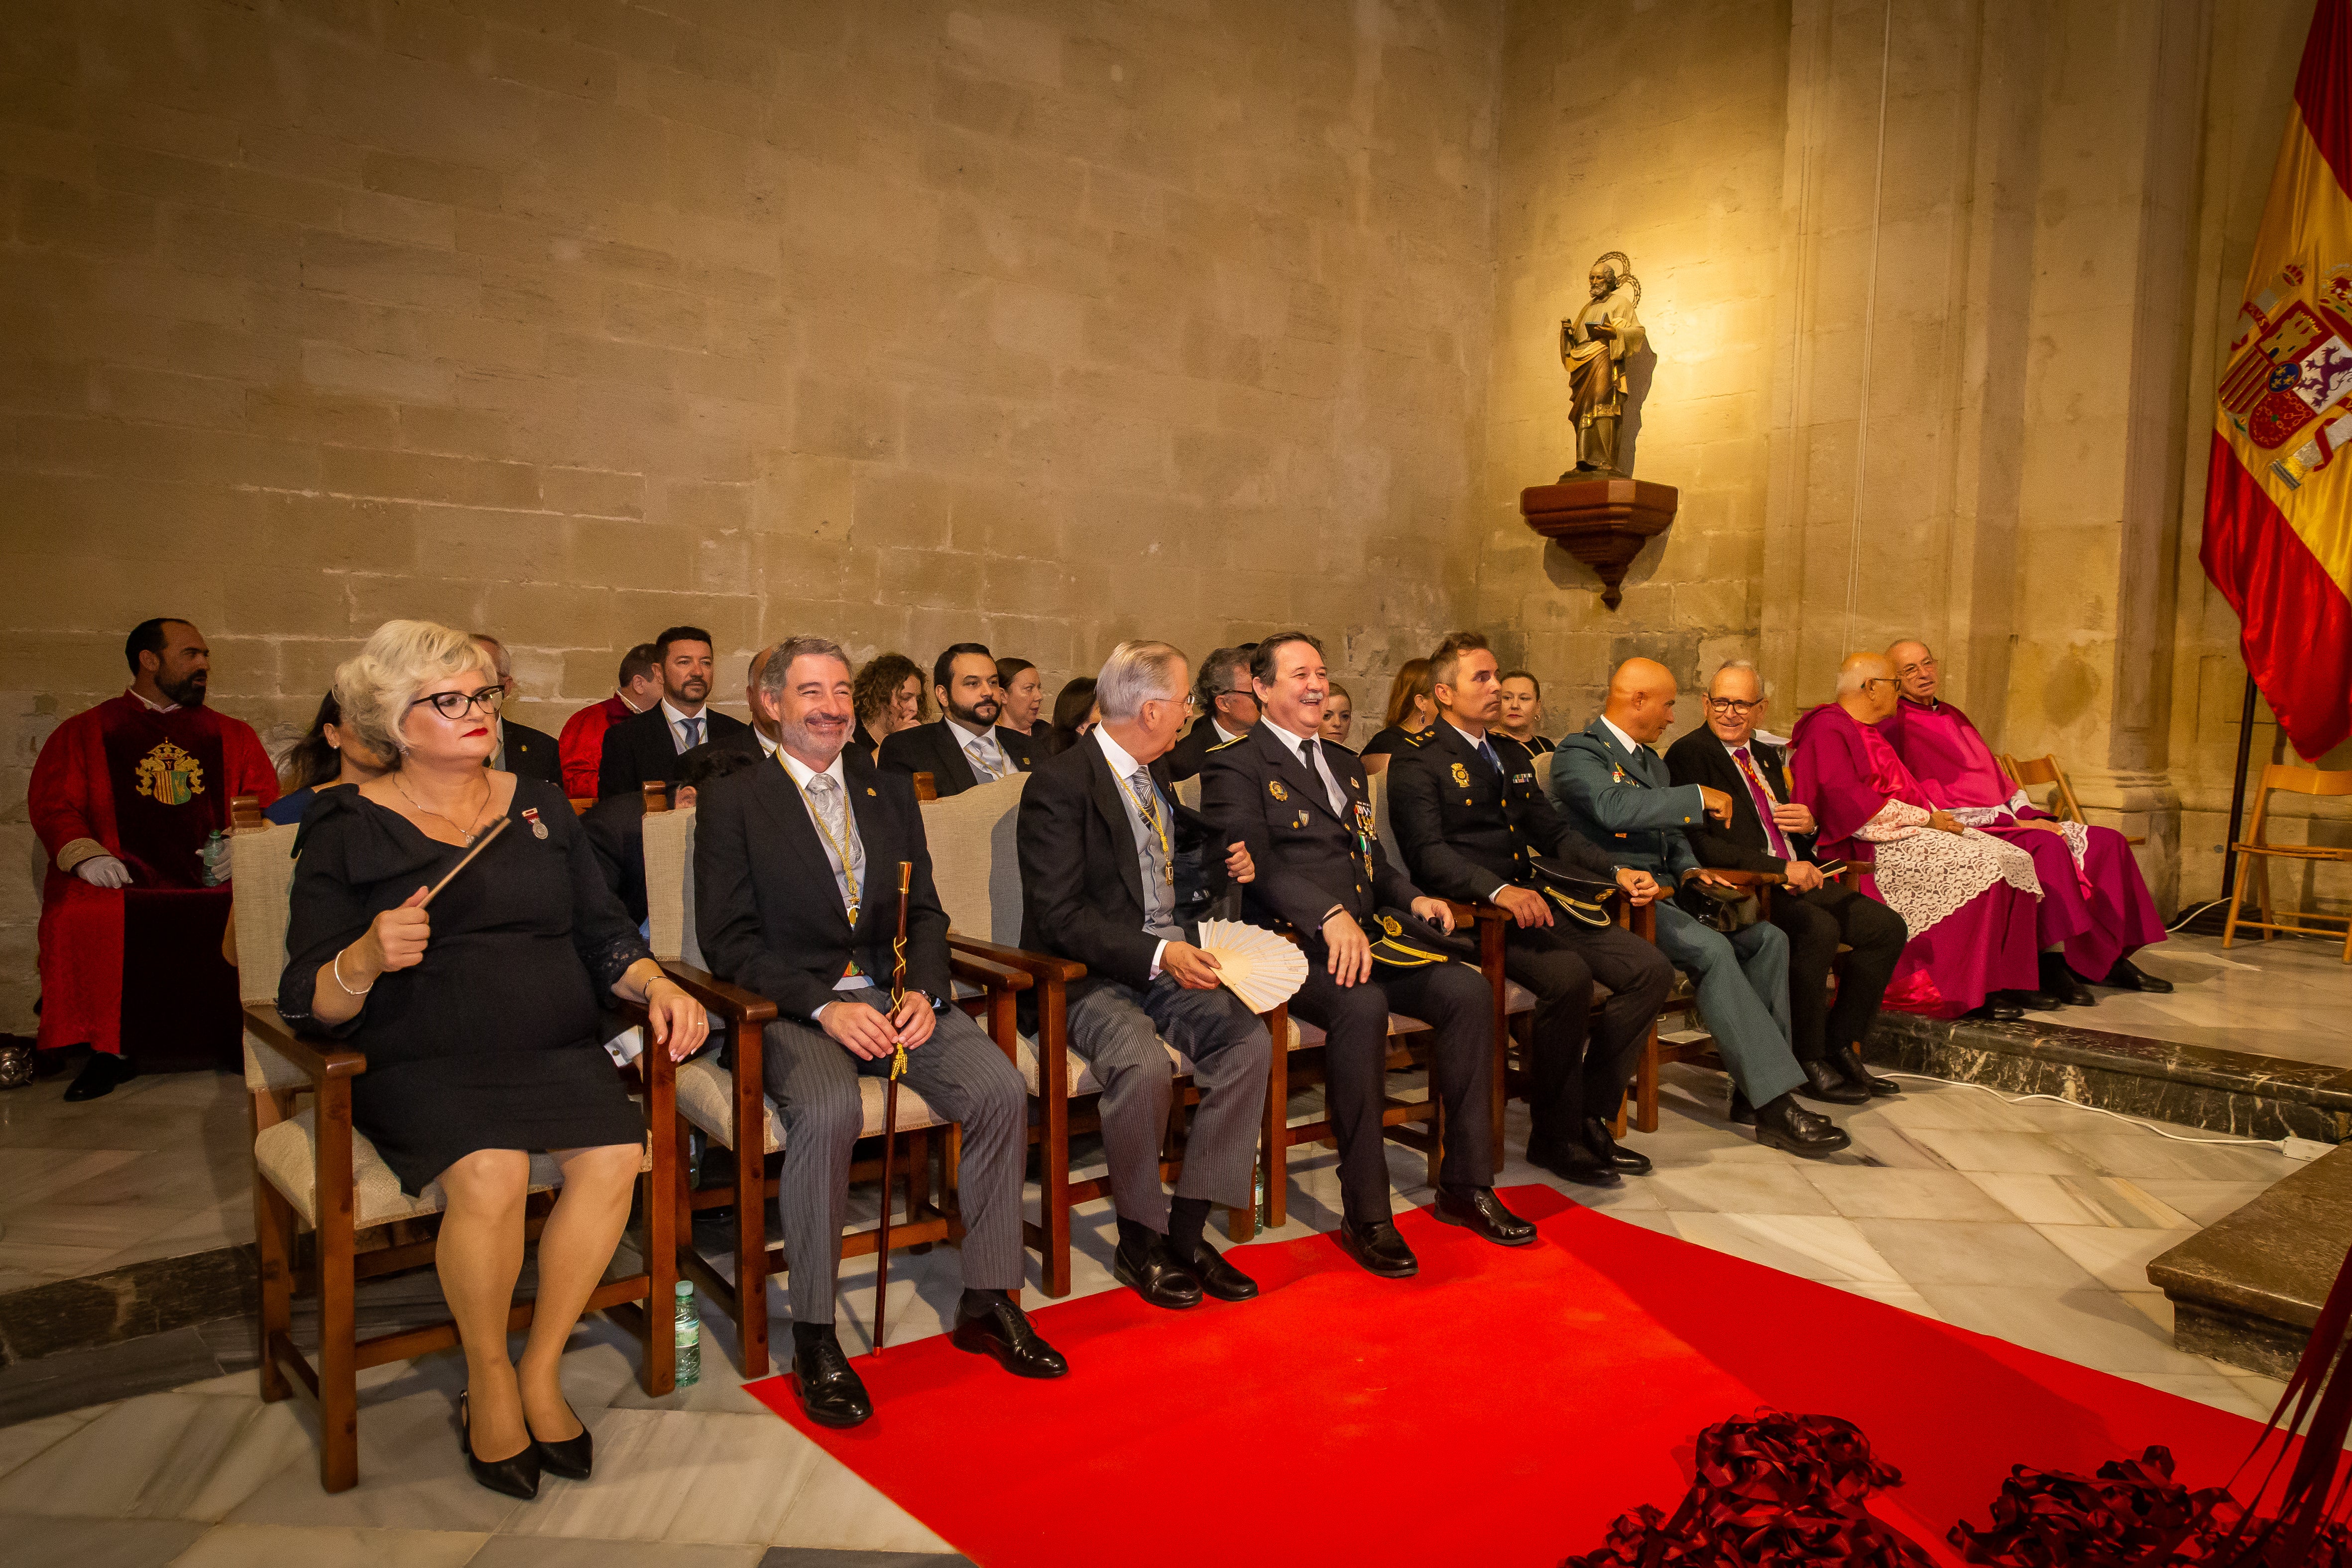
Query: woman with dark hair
column 330, row 755
column 1412, row 708
column 1024, row 694
column 887, row 697
column 1074, row 713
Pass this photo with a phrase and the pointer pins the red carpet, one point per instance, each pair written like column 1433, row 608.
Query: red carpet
column 1499, row 1410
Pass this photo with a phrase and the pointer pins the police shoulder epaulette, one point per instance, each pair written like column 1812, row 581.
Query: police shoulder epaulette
column 1221, row 745
column 1420, row 738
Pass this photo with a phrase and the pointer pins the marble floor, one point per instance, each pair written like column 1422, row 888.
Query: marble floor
column 2031, row 1222
column 2286, row 998
column 161, row 1168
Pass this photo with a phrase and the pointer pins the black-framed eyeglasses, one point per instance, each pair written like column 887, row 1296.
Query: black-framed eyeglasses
column 457, row 704
column 1880, row 680
column 1239, row 692
column 1734, row 705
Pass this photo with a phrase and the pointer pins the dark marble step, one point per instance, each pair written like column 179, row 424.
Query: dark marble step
column 2247, row 1288
column 2190, row 1085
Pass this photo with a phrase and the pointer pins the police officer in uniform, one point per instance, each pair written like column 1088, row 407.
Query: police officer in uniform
column 1469, row 820
column 1306, row 819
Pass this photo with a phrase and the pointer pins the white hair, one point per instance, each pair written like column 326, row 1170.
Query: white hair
column 1854, row 672
column 375, row 686
column 1138, row 672
column 1730, row 663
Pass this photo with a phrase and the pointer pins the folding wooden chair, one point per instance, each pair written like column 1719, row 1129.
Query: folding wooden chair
column 2032, row 772
column 976, row 865
column 313, row 1172
column 721, row 1100
column 2256, row 853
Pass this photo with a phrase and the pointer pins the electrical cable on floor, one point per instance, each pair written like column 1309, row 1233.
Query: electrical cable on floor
column 2293, row 1148
column 2193, row 911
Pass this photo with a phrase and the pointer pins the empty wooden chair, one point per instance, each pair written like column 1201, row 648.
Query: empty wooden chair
column 2035, row 772
column 314, row 1174
column 2256, row 853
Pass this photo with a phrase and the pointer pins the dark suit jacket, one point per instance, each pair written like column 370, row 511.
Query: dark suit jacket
column 1184, row 758
column 932, row 749
column 1625, row 801
column 532, row 753
column 1698, row 758
column 1464, row 829
column 615, row 826
column 1258, row 790
column 743, row 739
column 1081, row 881
column 638, row 750
column 767, row 910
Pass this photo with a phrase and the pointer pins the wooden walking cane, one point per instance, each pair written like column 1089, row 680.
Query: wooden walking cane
column 890, row 1107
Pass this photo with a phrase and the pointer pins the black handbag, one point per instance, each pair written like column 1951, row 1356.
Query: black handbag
column 1718, row 908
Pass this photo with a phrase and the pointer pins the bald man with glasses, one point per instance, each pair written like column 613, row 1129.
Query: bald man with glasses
column 1768, row 832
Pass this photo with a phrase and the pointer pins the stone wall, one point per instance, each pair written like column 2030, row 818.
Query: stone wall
column 1037, row 321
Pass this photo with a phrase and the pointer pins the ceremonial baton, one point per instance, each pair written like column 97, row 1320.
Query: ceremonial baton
column 474, row 847
column 890, row 1106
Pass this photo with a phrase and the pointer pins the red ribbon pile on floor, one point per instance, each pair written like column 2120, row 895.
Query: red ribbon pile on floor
column 2133, row 1514
column 1775, row 1492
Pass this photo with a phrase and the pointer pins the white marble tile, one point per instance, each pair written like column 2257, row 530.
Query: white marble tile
column 2090, row 1326
column 1970, row 1252
column 1951, row 1107
column 2137, row 1153
column 1648, row 1219
column 2117, row 1258
column 96, row 1543
column 160, row 1456
column 102, row 1227
column 1965, row 1150
column 1903, row 1295
column 1813, row 1246
column 412, row 1476
column 2202, row 1202
column 677, row 1475
column 1860, row 1191
column 2153, row 1305
column 834, row 1507
column 1739, row 1188
column 329, row 1546
column 2205, row 1388
column 2032, row 1197
column 27, row 1440
column 1887, row 1146
column 548, row 1551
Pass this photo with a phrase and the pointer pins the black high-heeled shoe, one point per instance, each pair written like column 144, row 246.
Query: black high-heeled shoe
column 572, row 1457
column 517, row 1475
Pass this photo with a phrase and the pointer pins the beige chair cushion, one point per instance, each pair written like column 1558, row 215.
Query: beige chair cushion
column 1188, row 793
column 1543, row 772
column 1304, row 1034
column 287, row 1157
column 1378, row 786
column 261, row 877
column 705, row 1095
column 974, row 864
column 669, row 887
column 1081, row 1077
column 1518, row 998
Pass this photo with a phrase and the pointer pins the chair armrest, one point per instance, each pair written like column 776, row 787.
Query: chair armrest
column 1747, row 879
column 1042, row 966
column 994, row 976
column 747, row 1009
column 321, row 1064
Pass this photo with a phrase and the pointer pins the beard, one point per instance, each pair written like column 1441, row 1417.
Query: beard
column 188, row 691
column 980, row 714
column 809, row 738
column 693, row 690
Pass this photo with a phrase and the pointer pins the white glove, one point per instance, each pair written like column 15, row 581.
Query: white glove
column 104, row 871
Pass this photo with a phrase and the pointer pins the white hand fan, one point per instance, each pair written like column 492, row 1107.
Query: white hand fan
column 1261, row 968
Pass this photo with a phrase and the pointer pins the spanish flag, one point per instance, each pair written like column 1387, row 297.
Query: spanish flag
column 2278, row 500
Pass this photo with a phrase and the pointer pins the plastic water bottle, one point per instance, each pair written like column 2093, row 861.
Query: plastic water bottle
column 688, row 1337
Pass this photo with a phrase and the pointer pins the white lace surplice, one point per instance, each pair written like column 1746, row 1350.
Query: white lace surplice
column 2013, row 809
column 1925, row 875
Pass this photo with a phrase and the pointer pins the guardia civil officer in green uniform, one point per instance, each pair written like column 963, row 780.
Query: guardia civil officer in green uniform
column 1307, row 818
column 1470, row 822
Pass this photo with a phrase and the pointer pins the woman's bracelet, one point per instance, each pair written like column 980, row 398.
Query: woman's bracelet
column 337, row 967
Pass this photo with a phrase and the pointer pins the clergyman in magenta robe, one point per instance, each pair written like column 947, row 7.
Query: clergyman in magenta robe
column 1968, row 900
column 2096, row 906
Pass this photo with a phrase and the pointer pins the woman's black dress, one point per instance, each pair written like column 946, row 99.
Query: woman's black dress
column 492, row 1042
column 1395, row 738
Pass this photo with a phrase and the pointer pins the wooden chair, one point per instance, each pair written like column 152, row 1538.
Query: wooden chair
column 721, row 1099
column 314, row 1173
column 2032, row 772
column 977, row 868
column 2256, row 853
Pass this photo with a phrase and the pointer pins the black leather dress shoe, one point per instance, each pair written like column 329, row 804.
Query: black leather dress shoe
column 104, row 1070
column 572, row 1457
column 2125, row 976
column 1377, row 1245
column 1786, row 1125
column 1742, row 1113
column 2062, row 982
column 517, row 1475
column 1825, row 1083
column 830, row 1392
column 2032, row 1001
column 1848, row 1060
column 1002, row 1329
column 1481, row 1212
column 1574, row 1163
column 1158, row 1274
column 1996, row 1010
column 1219, row 1278
column 1615, row 1155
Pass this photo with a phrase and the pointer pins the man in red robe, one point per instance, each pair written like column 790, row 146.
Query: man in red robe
column 1966, row 899
column 2095, row 909
column 125, row 797
column 582, row 745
